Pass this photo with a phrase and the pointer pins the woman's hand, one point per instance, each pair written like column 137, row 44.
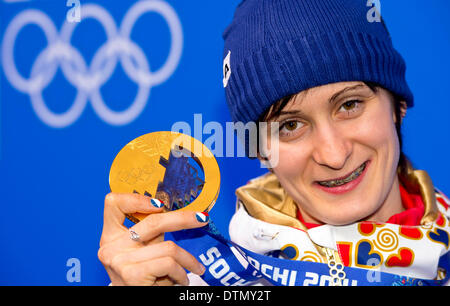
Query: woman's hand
column 151, row 260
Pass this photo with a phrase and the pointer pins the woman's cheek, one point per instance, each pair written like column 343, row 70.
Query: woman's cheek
column 376, row 131
column 291, row 161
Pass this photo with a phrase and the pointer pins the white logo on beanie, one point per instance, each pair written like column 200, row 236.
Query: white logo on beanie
column 226, row 69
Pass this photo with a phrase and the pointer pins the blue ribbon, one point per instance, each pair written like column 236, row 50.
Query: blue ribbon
column 223, row 267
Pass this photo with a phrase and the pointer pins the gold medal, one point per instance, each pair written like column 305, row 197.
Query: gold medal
column 165, row 165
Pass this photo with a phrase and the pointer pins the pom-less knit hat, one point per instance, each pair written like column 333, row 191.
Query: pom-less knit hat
column 276, row 48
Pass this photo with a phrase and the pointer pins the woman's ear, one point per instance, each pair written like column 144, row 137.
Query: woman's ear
column 402, row 107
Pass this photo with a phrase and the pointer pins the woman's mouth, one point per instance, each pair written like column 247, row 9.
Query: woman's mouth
column 346, row 183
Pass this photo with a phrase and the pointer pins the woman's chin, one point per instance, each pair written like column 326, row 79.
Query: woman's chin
column 346, row 213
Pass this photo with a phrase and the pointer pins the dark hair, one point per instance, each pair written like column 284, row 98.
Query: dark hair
column 277, row 107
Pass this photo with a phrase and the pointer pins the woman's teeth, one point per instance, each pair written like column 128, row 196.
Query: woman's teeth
column 351, row 177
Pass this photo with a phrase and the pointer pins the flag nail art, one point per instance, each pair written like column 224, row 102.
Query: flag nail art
column 202, row 216
column 157, row 203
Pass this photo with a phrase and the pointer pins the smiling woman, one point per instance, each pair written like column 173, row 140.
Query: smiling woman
column 332, row 80
column 339, row 145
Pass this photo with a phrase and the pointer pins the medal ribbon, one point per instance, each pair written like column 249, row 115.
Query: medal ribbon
column 228, row 264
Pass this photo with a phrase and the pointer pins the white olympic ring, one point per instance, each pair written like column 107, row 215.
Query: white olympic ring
column 89, row 79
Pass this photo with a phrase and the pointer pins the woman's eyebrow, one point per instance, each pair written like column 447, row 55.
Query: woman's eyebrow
column 300, row 113
column 336, row 95
column 284, row 113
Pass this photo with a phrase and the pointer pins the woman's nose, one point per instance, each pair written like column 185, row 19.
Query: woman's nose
column 331, row 147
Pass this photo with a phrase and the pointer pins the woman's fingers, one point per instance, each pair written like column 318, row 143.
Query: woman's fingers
column 163, row 249
column 156, row 224
column 138, row 255
column 147, row 272
column 117, row 205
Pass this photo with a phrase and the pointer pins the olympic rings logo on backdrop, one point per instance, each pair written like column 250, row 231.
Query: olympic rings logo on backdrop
column 89, row 79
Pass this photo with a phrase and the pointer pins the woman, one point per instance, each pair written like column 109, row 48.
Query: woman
column 330, row 77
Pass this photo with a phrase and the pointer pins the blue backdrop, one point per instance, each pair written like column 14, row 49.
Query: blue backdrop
column 67, row 106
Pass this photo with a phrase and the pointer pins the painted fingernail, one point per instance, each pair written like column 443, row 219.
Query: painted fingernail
column 157, row 203
column 202, row 216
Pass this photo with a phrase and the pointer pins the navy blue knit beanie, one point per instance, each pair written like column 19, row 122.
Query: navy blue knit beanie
column 276, row 48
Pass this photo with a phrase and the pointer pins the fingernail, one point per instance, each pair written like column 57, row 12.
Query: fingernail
column 201, row 269
column 157, row 203
column 202, row 217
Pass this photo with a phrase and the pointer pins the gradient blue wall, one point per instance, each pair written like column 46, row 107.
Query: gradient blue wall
column 53, row 180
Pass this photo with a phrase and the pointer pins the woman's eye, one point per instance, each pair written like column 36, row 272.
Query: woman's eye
column 289, row 127
column 351, row 106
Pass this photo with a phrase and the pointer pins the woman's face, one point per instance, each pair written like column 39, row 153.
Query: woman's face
column 338, row 152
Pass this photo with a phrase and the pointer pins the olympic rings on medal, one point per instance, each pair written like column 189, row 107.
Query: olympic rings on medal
column 89, row 79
